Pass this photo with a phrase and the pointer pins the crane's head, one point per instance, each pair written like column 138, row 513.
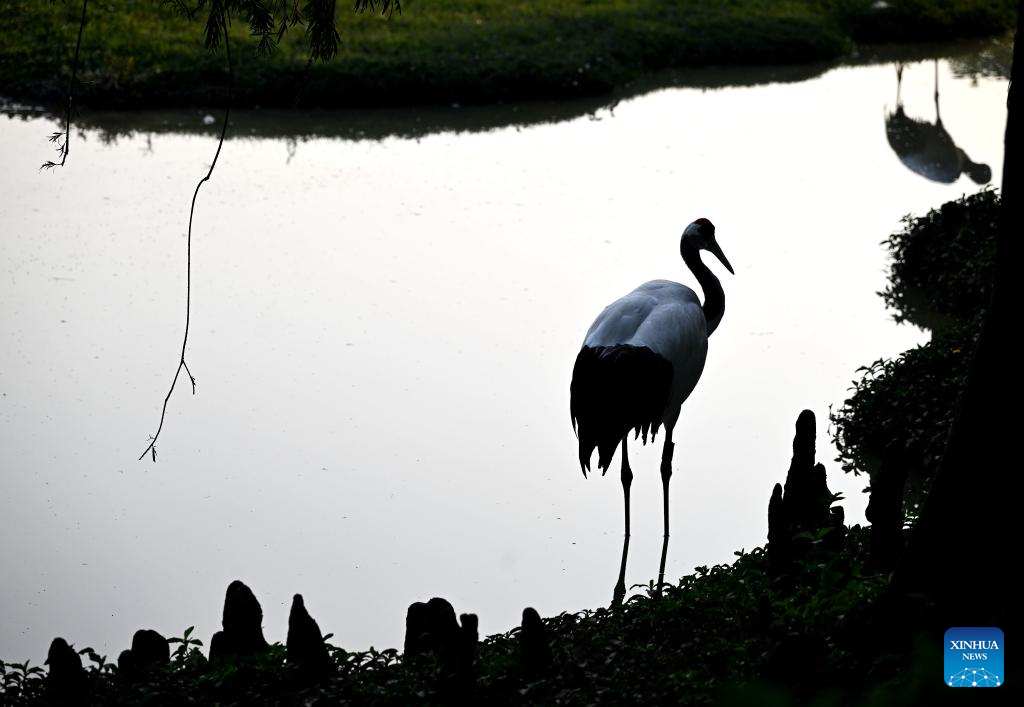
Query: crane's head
column 700, row 235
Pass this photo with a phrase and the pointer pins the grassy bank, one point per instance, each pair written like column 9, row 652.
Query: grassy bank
column 139, row 53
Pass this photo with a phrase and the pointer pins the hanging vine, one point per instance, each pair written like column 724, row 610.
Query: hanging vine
column 268, row 21
column 216, row 28
column 323, row 37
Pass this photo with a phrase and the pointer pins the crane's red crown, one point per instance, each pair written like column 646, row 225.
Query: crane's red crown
column 704, row 222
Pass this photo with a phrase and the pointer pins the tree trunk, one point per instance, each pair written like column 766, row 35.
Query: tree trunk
column 961, row 554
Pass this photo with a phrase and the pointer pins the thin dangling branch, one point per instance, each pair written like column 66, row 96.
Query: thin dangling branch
column 151, row 448
column 64, row 146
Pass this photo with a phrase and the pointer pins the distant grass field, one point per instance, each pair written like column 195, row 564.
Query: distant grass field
column 138, row 53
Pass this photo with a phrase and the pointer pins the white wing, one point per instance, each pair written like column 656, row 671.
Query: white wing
column 667, row 318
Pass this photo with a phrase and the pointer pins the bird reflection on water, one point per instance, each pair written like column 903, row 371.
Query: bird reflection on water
column 927, row 148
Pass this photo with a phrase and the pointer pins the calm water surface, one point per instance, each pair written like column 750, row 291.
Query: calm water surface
column 383, row 333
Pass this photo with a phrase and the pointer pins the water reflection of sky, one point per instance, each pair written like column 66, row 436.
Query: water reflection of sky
column 383, row 335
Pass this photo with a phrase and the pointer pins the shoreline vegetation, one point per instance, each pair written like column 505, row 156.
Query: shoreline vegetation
column 141, row 54
column 988, row 57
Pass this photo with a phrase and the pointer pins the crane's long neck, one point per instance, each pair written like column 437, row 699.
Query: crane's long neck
column 714, row 297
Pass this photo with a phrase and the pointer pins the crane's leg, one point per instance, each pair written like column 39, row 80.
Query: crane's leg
column 666, row 474
column 627, row 479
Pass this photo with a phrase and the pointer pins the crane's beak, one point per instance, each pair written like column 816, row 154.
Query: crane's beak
column 716, row 250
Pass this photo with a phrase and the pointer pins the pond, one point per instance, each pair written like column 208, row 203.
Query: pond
column 386, row 307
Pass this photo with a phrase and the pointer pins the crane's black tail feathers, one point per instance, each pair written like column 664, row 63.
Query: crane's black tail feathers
column 616, row 389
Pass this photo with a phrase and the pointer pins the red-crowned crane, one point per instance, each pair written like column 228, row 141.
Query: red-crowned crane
column 641, row 358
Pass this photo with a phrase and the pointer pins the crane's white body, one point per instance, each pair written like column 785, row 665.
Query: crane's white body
column 665, row 317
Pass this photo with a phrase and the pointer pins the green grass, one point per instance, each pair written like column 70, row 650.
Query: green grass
column 138, row 53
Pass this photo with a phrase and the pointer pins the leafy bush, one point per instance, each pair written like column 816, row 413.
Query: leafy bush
column 943, row 262
column 902, row 409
